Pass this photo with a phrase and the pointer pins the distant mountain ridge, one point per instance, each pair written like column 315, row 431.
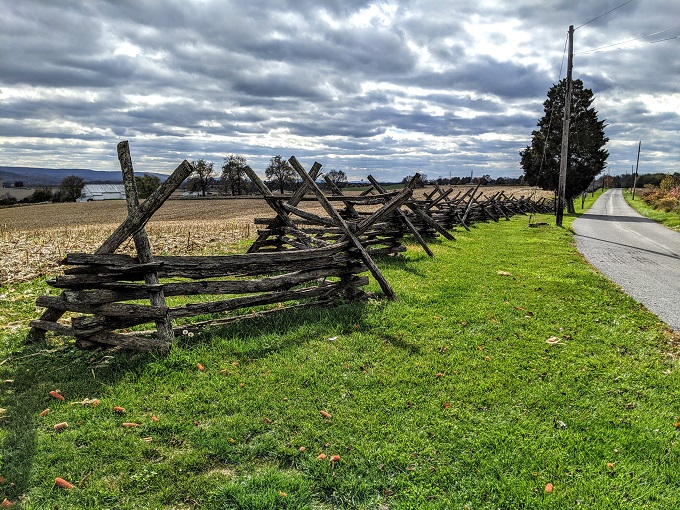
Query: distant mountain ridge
column 36, row 177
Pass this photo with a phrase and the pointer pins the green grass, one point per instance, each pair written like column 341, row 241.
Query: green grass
column 449, row 397
column 668, row 219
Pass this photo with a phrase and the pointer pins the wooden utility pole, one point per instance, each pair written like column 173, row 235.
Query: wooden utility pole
column 564, row 156
column 636, row 169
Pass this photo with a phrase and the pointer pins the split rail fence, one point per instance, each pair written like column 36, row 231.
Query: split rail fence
column 104, row 288
column 299, row 259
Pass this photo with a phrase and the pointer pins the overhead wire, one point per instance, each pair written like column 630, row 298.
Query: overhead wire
column 602, row 15
column 601, row 48
column 545, row 143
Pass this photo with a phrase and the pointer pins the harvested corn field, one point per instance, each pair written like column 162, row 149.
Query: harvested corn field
column 33, row 239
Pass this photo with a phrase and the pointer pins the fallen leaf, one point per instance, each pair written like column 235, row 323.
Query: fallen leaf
column 60, row 426
column 60, row 482
column 57, row 394
column 232, row 440
column 553, row 340
column 302, row 448
column 610, row 465
column 200, row 367
column 325, row 414
column 129, row 425
column 447, row 405
column 119, row 409
column 439, row 375
column 6, row 503
column 488, row 358
column 548, row 487
column 321, row 456
column 677, row 424
column 267, row 420
column 282, row 494
column 153, row 418
column 335, row 458
column 44, row 413
column 503, row 273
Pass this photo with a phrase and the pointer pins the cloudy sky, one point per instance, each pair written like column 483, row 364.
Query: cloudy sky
column 445, row 87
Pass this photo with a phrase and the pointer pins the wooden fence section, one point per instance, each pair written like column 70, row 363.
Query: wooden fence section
column 441, row 211
column 106, row 291
column 379, row 230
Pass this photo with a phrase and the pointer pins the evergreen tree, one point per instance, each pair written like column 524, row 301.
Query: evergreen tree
column 586, row 156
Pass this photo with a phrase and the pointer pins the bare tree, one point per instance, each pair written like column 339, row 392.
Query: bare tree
column 280, row 173
column 202, row 178
column 338, row 177
column 70, row 188
column 233, row 174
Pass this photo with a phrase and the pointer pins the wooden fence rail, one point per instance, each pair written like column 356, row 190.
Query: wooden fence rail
column 106, row 292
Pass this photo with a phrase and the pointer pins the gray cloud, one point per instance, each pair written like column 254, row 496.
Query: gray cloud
column 387, row 88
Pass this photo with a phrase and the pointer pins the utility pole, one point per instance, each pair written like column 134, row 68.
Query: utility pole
column 636, row 169
column 564, row 156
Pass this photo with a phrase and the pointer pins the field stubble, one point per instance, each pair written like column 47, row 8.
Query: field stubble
column 34, row 239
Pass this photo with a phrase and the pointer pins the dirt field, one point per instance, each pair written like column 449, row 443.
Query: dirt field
column 34, row 238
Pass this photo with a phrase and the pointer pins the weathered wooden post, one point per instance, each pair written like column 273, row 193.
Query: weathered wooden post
column 143, row 246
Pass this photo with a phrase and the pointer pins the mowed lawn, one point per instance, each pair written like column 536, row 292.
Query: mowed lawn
column 507, row 374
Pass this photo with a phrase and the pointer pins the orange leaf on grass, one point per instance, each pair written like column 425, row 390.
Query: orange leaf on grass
column 56, row 394
column 44, row 413
column 60, row 426
column 6, row 503
column 119, row 409
column 548, row 487
column 335, row 458
column 267, row 420
column 128, row 424
column 325, row 414
column 60, row 482
column 200, row 366
column 153, row 418
column 321, row 456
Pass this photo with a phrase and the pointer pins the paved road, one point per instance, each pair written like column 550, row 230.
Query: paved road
column 637, row 253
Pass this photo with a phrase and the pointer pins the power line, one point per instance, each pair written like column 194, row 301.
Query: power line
column 547, row 137
column 601, row 15
column 632, row 40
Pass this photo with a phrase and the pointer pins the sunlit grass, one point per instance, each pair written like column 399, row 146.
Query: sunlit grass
column 669, row 219
column 506, row 364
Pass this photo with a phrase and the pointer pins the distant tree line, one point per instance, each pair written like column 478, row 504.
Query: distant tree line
column 626, row 180
column 233, row 179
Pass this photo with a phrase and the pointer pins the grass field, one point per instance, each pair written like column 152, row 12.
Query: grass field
column 668, row 219
column 508, row 374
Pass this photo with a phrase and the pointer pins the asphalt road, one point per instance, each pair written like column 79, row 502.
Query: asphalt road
column 634, row 252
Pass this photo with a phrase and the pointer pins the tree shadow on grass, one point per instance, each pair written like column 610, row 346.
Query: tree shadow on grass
column 35, row 370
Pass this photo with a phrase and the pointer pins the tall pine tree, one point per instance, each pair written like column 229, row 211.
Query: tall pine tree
column 587, row 157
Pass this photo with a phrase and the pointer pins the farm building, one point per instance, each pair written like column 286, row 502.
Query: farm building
column 102, row 192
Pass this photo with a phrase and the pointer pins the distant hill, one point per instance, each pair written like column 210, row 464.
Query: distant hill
column 36, row 177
